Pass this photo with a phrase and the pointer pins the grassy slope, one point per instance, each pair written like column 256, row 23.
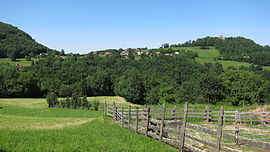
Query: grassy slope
column 29, row 126
column 18, row 61
column 207, row 56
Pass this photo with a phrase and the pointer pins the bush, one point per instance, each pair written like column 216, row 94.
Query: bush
column 52, row 100
column 95, row 105
column 84, row 103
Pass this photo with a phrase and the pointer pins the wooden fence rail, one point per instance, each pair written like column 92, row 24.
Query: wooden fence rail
column 170, row 125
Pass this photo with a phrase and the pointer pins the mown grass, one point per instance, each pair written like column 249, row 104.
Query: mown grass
column 110, row 99
column 21, row 61
column 32, row 127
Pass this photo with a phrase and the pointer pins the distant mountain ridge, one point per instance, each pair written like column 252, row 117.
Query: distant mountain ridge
column 15, row 43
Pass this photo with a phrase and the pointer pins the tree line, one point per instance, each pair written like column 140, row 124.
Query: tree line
column 144, row 80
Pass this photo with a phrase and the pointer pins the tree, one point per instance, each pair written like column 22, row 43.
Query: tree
column 28, row 83
column 212, row 88
column 130, row 86
column 165, row 45
column 65, row 90
column 52, row 100
column 244, row 87
column 100, row 83
column 62, row 53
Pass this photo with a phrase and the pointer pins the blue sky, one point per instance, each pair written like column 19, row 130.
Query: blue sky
column 84, row 25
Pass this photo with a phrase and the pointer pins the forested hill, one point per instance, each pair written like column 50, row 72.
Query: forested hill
column 15, row 43
column 234, row 48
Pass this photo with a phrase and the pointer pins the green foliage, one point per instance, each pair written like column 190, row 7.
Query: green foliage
column 130, row 86
column 100, row 83
column 14, row 83
column 96, row 105
column 75, row 102
column 212, row 88
column 244, row 87
column 65, row 90
column 15, row 43
column 52, row 100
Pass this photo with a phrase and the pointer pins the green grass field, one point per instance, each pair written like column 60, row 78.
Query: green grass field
column 27, row 125
column 21, row 61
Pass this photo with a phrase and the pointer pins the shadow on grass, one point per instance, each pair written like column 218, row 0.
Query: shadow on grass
column 1, row 150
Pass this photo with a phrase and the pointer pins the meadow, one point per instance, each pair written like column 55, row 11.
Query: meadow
column 28, row 125
column 21, row 61
column 209, row 55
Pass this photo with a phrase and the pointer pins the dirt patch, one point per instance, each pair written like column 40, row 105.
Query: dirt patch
column 262, row 115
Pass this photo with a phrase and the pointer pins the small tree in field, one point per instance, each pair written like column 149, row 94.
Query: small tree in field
column 52, row 100
column 84, row 102
column 96, row 104
column 68, row 104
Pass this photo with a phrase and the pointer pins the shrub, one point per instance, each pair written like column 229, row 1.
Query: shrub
column 68, row 103
column 84, row 103
column 52, row 100
column 95, row 105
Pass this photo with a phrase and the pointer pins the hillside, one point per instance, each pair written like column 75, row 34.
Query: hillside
column 15, row 43
column 234, row 48
column 212, row 55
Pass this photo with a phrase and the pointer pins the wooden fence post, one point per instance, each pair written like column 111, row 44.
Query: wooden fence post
column 114, row 114
column 105, row 109
column 264, row 118
column 219, row 131
column 183, row 128
column 147, row 121
column 137, row 118
column 209, row 115
column 237, row 130
column 162, row 122
column 129, row 116
column 206, row 113
column 122, row 117
column 173, row 113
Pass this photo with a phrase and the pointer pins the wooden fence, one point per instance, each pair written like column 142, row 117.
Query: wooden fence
column 172, row 126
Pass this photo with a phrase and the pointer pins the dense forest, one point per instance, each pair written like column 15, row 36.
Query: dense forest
column 143, row 79
column 233, row 48
column 15, row 43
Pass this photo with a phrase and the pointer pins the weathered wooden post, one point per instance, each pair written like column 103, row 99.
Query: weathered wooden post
column 147, row 121
column 237, row 130
column 250, row 119
column 137, row 119
column 129, row 116
column 183, row 128
column 264, row 118
column 208, row 114
column 173, row 113
column 105, row 109
column 114, row 113
column 219, row 130
column 162, row 121
column 122, row 117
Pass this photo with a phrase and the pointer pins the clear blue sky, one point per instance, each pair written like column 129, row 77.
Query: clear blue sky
column 85, row 25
